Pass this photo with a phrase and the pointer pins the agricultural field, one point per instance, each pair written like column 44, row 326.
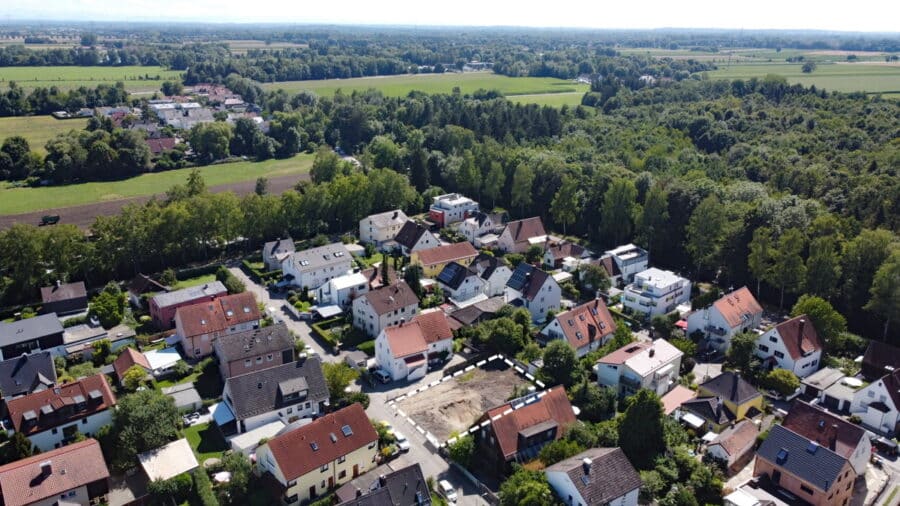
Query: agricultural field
column 398, row 86
column 23, row 200
column 551, row 99
column 136, row 78
column 871, row 77
column 242, row 46
column 38, row 129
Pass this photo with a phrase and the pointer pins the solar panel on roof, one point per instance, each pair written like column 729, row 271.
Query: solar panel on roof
column 448, row 273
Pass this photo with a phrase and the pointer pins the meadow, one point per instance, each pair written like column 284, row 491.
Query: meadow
column 136, row 78
column 846, row 77
column 23, row 200
column 37, row 130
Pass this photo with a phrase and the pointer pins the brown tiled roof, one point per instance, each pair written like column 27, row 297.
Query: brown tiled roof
column 586, row 323
column 735, row 439
column 405, row 340
column 389, row 298
column 73, row 466
column 735, row 305
column 293, row 451
column 892, row 385
column 434, row 325
column 447, row 253
column 143, row 283
column 409, row 234
column 563, row 249
column 554, row 406
column 528, row 280
column 216, row 315
column 879, row 356
column 373, row 274
column 827, row 430
column 676, row 397
column 129, row 357
column 62, row 401
column 157, row 146
column 608, row 263
column 522, row 230
column 790, row 333
column 619, row 356
column 610, row 474
column 67, row 291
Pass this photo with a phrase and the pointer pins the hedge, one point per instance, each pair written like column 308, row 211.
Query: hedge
column 367, row 347
column 320, row 329
column 257, row 275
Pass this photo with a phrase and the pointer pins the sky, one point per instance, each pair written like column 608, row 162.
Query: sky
column 846, row 15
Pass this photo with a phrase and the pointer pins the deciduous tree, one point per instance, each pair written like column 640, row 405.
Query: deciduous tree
column 885, row 291
column 641, row 430
column 617, row 212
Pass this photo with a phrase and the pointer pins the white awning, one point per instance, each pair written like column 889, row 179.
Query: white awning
column 692, row 420
column 328, row 311
column 709, row 437
column 222, row 414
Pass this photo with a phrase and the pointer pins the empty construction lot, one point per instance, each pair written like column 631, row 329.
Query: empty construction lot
column 454, row 405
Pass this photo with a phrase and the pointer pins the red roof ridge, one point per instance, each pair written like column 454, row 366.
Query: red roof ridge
column 447, row 253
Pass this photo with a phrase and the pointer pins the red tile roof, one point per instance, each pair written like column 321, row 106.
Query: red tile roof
column 447, row 253
column 553, row 406
column 830, row 431
column 62, row 402
column 78, row 464
column 390, row 298
column 563, row 249
column 293, row 451
column 522, row 230
column 591, row 320
column 405, row 339
column 676, row 397
column 738, row 438
column 157, row 146
column 216, row 315
column 624, row 353
column 435, row 326
column 735, row 305
column 790, row 333
column 129, row 357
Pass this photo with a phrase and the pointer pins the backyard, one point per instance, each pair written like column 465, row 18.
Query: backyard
column 206, row 441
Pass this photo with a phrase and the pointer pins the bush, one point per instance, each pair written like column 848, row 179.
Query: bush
column 204, row 489
column 231, row 282
column 181, row 369
column 320, row 329
column 461, row 450
column 367, row 347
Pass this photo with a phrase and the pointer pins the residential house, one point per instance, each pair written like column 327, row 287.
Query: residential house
column 654, row 366
column 880, row 359
column 830, row 431
column 404, row 350
column 26, row 374
column 142, row 285
column 162, row 361
column 460, row 282
column 286, row 392
column 519, row 235
column 476, row 313
column 533, row 289
column 673, row 400
column 732, row 314
column 310, row 269
column 799, row 465
column 516, row 431
column 405, row 487
column 630, row 260
column 793, row 345
column 734, row 446
column 481, row 228
column 277, row 251
column 164, row 305
column 434, row 260
column 611, row 268
column 78, row 340
column 198, row 325
column 656, row 292
column 878, row 404
column 451, row 208
column 724, row 400
column 254, row 350
column 72, row 475
column 585, row 327
column 43, row 332
column 595, row 476
column 377, row 229
column 53, row 417
column 815, row 385
column 494, row 272
column 565, row 255
column 342, row 290
column 414, row 237
column 129, row 358
column 384, row 307
column 311, row 460
column 186, row 118
column 64, row 299
column 160, row 145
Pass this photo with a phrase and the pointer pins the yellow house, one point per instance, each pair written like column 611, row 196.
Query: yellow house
column 434, row 260
column 311, row 460
column 724, row 400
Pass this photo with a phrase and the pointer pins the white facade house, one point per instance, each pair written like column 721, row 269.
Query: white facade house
column 414, row 237
column 341, row 291
column 461, row 283
column 533, row 289
column 878, row 404
column 311, row 268
column 585, row 327
column 656, row 292
column 630, row 260
column 595, row 476
column 520, row 235
column 382, row 227
column 654, row 366
column 494, row 272
column 732, row 314
column 793, row 345
column 384, row 307
column 451, row 208
column 403, row 350
column 479, row 224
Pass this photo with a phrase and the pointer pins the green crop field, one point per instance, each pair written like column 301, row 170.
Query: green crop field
column 23, row 200
column 552, row 99
column 398, row 86
column 846, row 77
column 136, row 78
column 38, row 129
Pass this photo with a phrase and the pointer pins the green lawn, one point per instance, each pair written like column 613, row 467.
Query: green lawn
column 206, row 441
column 199, row 280
column 38, row 129
column 551, row 99
column 398, row 86
column 23, row 200
column 846, row 77
column 136, row 78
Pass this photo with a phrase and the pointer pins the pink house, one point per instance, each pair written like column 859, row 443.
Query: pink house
column 198, row 325
column 164, row 305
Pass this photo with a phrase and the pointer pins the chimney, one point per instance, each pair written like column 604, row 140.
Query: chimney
column 718, row 408
column 734, row 385
column 46, row 468
column 800, row 334
column 652, row 352
column 586, row 465
column 382, row 481
column 58, row 284
column 358, row 493
column 834, row 434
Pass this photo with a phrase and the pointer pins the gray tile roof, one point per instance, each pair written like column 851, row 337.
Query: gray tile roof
column 731, row 386
column 258, row 392
column 277, row 246
column 250, row 343
column 29, row 328
column 190, row 293
column 403, row 487
column 610, row 474
column 21, row 375
column 799, row 456
column 388, row 218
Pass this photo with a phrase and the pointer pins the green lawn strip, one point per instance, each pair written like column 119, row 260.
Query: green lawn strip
column 135, row 78
column 845, row 77
column 23, row 200
column 37, row 130
column 206, row 441
column 199, row 280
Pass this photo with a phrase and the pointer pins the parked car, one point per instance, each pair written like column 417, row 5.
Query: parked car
column 447, row 490
column 402, row 442
column 381, row 375
column 190, row 418
column 885, row 446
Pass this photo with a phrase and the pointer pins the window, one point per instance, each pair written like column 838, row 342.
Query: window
column 323, row 484
column 323, row 469
column 871, row 393
column 55, row 431
column 269, row 357
column 258, row 360
column 341, row 459
column 806, row 489
column 290, row 410
column 84, row 421
column 342, row 474
column 772, row 338
column 763, row 348
column 248, row 363
column 779, row 354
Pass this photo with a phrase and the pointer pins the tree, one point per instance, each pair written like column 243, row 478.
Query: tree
column 566, row 204
column 142, row 421
column 641, row 429
column 653, row 219
column 170, row 88
column 262, row 186
column 462, row 449
column 231, row 282
column 823, row 267
column 133, row 377
column 560, row 364
column 742, row 351
column 17, row 448
column 594, row 276
column 759, row 261
column 534, row 253
column 338, row 376
column 596, row 403
column 413, row 277
column 494, row 182
column 706, row 483
column 706, row 233
column 503, row 334
column 828, row 322
column 327, row 165
column 617, row 212
column 808, row 67
column 211, row 141
column 885, row 291
column 108, row 306
column 559, row 450
column 522, row 182
column 863, row 256
column 526, row 488
column 100, row 351
column 782, row 381
column 236, row 490
column 583, row 434
column 788, row 271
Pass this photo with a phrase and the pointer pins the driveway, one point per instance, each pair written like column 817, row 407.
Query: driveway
column 705, row 371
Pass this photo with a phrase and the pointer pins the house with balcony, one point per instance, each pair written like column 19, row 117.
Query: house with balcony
column 309, row 461
column 533, row 289
column 793, row 345
column 254, row 350
column 199, row 325
column 309, row 269
column 384, row 307
column 878, row 404
column 414, row 237
column 404, row 350
column 654, row 366
column 732, row 314
column 655, row 292
column 595, row 476
column 378, row 229
column 585, row 327
column 451, row 208
column 629, row 260
column 341, row 291
column 481, row 228
column 519, row 235
column 722, row 401
column 565, row 255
